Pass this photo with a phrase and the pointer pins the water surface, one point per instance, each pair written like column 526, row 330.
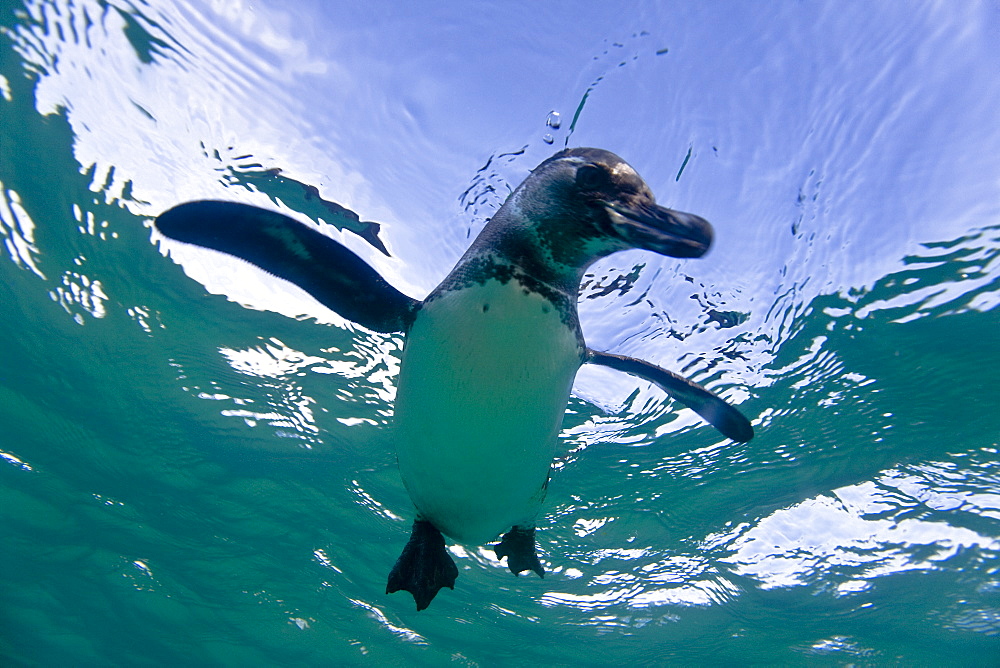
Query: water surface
column 197, row 459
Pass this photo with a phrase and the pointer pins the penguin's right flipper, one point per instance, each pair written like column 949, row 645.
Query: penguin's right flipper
column 713, row 408
column 424, row 566
column 279, row 245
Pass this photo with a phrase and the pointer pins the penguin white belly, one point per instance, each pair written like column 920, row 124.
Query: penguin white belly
column 486, row 374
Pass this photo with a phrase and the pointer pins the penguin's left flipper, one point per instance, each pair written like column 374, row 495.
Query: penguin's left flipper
column 518, row 545
column 424, row 566
column 729, row 421
column 282, row 246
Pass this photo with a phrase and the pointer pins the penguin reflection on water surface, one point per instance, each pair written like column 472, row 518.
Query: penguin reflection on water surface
column 490, row 355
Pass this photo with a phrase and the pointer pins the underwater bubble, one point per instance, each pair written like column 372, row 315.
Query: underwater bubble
column 554, row 120
column 548, row 139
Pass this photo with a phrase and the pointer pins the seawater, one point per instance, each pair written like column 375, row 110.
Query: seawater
column 197, row 463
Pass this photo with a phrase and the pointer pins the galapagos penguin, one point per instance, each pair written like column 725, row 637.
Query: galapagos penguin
column 491, row 353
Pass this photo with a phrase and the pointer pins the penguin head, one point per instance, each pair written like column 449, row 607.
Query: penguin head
column 597, row 198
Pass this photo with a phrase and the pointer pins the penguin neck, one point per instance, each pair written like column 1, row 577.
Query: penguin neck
column 482, row 265
column 505, row 254
column 550, row 260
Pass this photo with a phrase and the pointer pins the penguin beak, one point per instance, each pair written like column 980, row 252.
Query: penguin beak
column 661, row 230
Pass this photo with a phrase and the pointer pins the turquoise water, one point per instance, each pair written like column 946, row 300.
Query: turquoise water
column 197, row 463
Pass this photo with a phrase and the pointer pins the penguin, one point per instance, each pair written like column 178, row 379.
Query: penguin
column 491, row 353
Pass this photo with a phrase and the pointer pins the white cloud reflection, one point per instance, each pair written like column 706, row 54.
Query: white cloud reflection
column 272, row 360
column 848, row 531
column 18, row 231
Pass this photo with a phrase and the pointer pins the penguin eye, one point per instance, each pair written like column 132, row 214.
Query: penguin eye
column 591, row 177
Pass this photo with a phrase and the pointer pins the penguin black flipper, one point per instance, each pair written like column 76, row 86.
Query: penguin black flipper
column 729, row 421
column 286, row 248
column 424, row 566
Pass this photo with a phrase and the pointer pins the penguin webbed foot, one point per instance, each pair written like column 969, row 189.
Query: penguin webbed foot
column 424, row 567
column 518, row 545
